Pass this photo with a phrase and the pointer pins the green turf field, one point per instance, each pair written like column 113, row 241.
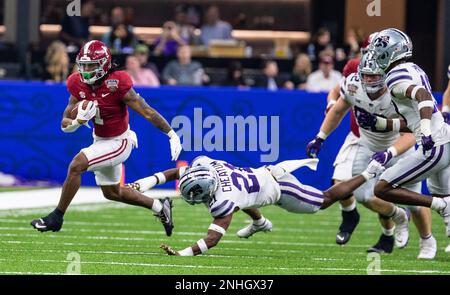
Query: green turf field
column 119, row 239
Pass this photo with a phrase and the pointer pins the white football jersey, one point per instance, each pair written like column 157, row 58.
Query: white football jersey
column 353, row 93
column 240, row 187
column 412, row 74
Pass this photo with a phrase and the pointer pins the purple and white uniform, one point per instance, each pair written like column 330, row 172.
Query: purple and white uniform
column 435, row 164
column 255, row 188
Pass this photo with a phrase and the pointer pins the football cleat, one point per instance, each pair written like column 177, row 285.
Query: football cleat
column 251, row 229
column 428, row 248
column 50, row 222
column 401, row 228
column 384, row 245
column 165, row 216
column 350, row 220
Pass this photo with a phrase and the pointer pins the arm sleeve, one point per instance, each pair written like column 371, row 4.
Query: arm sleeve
column 398, row 81
column 399, row 89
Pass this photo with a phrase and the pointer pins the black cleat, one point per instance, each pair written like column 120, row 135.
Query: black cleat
column 52, row 222
column 350, row 220
column 166, row 216
column 384, row 245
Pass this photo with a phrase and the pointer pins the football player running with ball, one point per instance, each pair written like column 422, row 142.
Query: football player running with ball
column 413, row 100
column 225, row 189
column 109, row 93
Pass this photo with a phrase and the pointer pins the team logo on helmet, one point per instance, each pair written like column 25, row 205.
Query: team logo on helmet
column 382, row 41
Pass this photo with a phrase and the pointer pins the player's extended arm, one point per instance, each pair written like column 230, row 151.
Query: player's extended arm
column 446, row 104
column 401, row 145
column 426, row 106
column 376, row 123
column 343, row 189
column 332, row 119
column 334, row 116
column 216, row 231
column 140, row 106
column 147, row 183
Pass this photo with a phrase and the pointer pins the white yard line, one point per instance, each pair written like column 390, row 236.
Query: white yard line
column 50, row 197
column 237, row 267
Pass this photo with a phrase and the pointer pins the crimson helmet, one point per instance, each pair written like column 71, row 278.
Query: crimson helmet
column 93, row 53
column 366, row 42
column 351, row 67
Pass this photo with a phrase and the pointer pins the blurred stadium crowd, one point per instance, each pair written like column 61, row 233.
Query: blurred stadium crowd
column 173, row 59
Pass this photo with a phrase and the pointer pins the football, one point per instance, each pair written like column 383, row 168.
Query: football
column 74, row 111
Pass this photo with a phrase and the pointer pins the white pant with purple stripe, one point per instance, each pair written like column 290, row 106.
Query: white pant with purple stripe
column 298, row 198
column 364, row 193
column 434, row 166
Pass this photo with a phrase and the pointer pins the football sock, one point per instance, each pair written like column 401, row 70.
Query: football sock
column 259, row 221
column 157, row 206
column 349, row 208
column 388, row 232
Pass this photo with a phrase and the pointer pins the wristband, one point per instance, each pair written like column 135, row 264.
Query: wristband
column 160, row 178
column 202, row 245
column 414, row 91
column 186, row 252
column 171, row 133
column 395, row 124
column 425, row 104
column 322, row 135
column 393, row 151
column 217, row 228
column 381, row 124
column 445, row 109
